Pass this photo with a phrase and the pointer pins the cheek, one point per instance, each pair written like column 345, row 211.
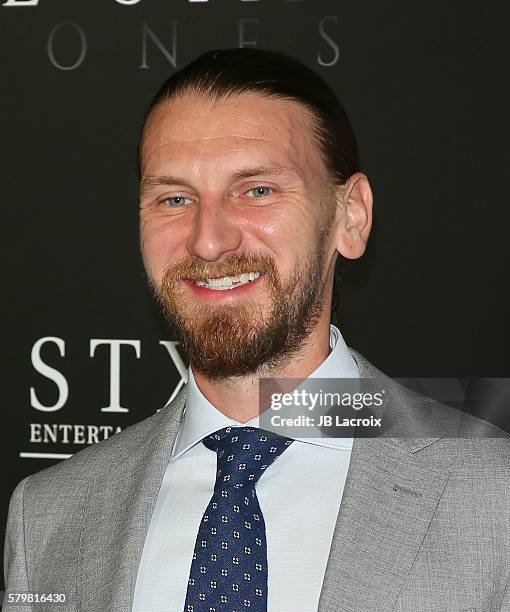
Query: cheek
column 158, row 244
column 291, row 233
column 284, row 246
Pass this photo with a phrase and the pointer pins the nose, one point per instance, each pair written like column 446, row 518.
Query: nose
column 214, row 232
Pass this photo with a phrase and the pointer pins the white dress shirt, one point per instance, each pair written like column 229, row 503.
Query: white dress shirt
column 299, row 497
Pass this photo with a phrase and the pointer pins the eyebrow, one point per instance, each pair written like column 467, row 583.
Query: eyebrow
column 149, row 182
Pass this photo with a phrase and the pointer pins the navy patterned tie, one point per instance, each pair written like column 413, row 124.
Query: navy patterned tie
column 229, row 566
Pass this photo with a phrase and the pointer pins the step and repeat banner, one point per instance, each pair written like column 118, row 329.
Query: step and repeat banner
column 85, row 351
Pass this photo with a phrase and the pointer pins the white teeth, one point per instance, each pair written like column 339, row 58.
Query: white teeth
column 228, row 282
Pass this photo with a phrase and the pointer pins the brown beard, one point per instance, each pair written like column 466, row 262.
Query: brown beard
column 224, row 341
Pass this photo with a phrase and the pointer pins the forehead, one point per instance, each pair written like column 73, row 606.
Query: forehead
column 192, row 128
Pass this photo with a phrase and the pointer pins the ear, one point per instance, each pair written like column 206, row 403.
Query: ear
column 356, row 222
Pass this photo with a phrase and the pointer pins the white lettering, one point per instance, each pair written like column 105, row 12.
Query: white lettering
column 115, row 345
column 242, row 42
column 106, row 430
column 65, row 429
column 35, row 432
column 170, row 56
column 328, row 39
column 20, row 3
column 171, row 347
column 49, row 372
column 93, row 432
column 54, row 433
column 50, row 432
column 79, row 434
column 83, row 46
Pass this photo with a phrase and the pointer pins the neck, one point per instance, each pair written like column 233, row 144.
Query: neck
column 238, row 398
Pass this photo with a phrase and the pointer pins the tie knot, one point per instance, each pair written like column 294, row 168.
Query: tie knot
column 244, row 453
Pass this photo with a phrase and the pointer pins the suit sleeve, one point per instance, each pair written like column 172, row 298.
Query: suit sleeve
column 15, row 567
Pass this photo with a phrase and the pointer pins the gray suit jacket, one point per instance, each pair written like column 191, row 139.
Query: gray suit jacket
column 424, row 523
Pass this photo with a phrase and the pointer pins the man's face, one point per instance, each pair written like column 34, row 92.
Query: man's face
column 237, row 213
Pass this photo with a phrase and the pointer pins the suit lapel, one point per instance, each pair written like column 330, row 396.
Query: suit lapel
column 118, row 514
column 387, row 505
column 389, row 499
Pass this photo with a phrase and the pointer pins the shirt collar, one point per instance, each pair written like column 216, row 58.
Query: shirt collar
column 201, row 418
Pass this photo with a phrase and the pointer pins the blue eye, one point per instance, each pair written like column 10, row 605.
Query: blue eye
column 175, row 201
column 260, row 191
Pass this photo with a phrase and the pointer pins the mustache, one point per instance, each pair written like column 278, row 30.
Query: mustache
column 197, row 269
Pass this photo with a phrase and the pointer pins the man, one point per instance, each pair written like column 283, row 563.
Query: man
column 250, row 191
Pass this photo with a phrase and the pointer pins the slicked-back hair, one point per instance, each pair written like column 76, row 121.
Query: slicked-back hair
column 220, row 73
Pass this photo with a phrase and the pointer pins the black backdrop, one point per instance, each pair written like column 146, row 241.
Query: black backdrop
column 427, row 90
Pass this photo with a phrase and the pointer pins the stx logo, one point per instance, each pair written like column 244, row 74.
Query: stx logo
column 114, row 346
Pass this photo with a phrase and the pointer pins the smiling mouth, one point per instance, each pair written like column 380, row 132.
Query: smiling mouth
column 228, row 282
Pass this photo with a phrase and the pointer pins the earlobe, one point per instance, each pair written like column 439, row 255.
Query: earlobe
column 357, row 218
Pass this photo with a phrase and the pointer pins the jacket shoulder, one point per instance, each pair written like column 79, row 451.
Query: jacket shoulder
column 444, row 434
